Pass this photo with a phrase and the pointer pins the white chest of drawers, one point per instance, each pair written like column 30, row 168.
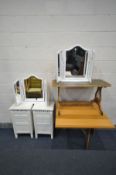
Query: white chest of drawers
column 21, row 116
column 43, row 119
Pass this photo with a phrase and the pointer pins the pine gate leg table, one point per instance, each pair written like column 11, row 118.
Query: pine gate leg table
column 85, row 115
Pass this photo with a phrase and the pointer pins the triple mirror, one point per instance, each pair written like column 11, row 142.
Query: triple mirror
column 30, row 89
column 75, row 64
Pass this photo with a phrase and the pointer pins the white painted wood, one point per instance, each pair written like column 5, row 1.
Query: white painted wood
column 43, row 119
column 61, row 68
column 43, row 106
column 22, row 119
column 23, row 106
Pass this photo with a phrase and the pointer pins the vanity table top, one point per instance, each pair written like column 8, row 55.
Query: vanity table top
column 23, row 106
column 43, row 106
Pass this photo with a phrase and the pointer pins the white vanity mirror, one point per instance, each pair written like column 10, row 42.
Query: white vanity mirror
column 75, row 65
column 31, row 89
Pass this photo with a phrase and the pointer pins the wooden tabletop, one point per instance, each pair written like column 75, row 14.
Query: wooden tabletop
column 80, row 115
column 93, row 83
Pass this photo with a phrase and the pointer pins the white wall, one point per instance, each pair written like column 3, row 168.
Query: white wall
column 33, row 31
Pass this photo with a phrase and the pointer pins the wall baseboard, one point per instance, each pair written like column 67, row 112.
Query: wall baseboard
column 9, row 125
column 5, row 125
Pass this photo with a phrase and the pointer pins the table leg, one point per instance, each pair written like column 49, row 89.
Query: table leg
column 58, row 94
column 58, row 100
column 88, row 134
column 88, row 137
column 97, row 98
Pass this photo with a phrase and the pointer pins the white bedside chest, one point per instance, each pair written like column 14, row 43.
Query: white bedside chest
column 43, row 119
column 21, row 116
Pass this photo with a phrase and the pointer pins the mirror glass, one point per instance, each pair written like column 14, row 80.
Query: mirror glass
column 76, row 62
column 17, row 92
column 33, row 87
column 17, row 88
column 75, row 65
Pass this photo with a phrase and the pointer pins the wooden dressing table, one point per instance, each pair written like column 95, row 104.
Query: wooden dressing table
column 86, row 115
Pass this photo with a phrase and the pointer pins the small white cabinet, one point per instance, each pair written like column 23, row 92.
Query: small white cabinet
column 43, row 119
column 21, row 116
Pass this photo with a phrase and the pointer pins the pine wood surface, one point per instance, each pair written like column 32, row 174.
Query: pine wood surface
column 93, row 83
column 80, row 115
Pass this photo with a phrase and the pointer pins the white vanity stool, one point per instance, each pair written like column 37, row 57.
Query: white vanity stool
column 43, row 119
column 21, row 116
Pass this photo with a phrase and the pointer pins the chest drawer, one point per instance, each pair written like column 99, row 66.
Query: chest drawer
column 44, row 114
column 21, row 116
column 45, row 129
column 42, row 117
